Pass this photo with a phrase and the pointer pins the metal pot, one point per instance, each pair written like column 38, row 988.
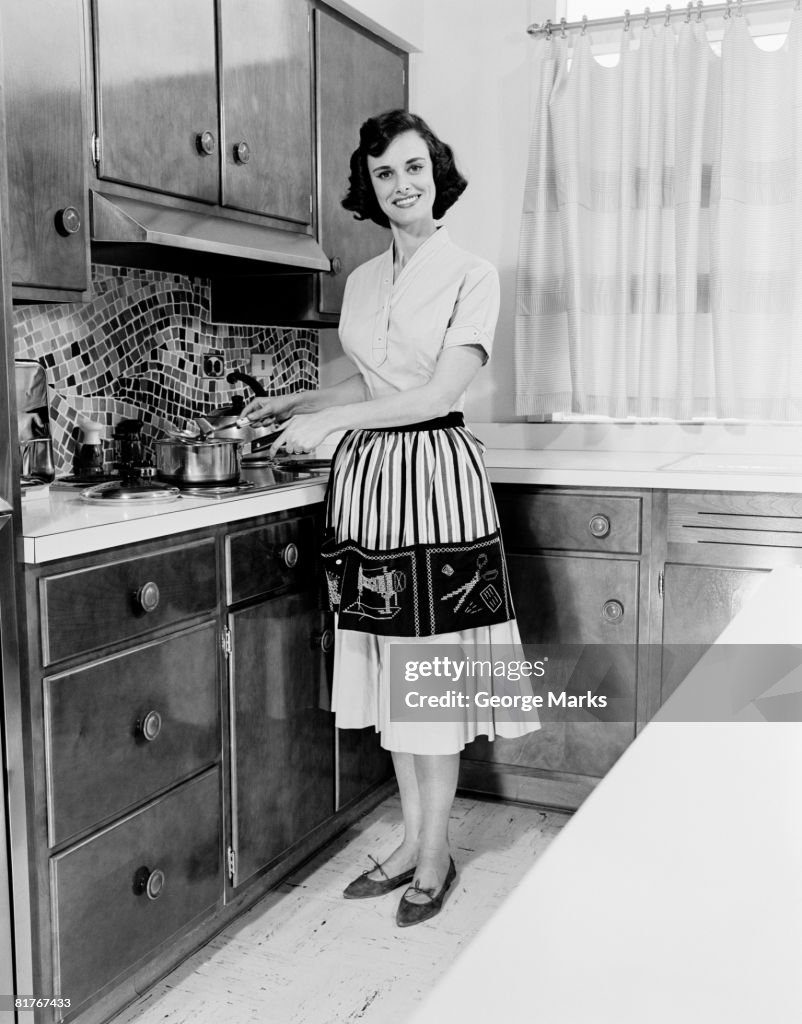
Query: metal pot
column 195, row 463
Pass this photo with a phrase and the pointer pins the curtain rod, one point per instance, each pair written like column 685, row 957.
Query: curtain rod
column 727, row 9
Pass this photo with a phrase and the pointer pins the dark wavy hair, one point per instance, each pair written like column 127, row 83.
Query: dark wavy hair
column 375, row 136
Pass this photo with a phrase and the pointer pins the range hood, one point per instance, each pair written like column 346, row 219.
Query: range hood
column 139, row 233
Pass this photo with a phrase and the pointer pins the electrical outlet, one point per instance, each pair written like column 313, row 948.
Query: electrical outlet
column 214, row 364
column 261, row 364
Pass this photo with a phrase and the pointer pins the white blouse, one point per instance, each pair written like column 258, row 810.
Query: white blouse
column 395, row 332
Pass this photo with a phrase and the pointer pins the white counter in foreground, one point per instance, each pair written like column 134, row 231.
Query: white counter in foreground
column 675, row 892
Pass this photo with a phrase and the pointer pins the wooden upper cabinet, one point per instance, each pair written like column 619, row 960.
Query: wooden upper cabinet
column 266, row 75
column 47, row 146
column 208, row 100
column 357, row 77
column 156, row 95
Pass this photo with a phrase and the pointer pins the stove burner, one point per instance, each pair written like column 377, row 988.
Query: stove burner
column 116, row 491
column 218, row 490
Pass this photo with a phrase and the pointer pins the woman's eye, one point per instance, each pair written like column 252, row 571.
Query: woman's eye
column 416, row 167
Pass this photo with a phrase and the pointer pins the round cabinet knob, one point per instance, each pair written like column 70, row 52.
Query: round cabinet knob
column 147, row 597
column 150, row 726
column 206, row 143
column 149, row 883
column 612, row 611
column 323, row 641
column 336, row 266
column 289, row 555
column 242, row 153
column 68, row 221
column 599, row 525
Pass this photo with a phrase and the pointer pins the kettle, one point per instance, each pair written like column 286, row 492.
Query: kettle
column 36, row 455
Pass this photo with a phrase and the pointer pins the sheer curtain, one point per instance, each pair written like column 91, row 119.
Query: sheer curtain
column 660, row 260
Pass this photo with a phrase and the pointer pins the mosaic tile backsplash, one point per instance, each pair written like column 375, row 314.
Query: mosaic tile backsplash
column 136, row 352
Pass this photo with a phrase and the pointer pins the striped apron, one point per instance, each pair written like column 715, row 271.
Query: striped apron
column 413, row 545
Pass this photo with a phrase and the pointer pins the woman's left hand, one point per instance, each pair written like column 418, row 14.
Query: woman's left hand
column 304, row 432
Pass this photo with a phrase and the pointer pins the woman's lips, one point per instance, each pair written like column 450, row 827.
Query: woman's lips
column 406, row 201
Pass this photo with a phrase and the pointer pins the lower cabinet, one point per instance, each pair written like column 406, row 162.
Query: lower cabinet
column 578, row 575
column 181, row 751
column 362, row 764
column 282, row 738
column 719, row 546
column 623, row 591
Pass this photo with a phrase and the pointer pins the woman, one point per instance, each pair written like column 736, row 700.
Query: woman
column 414, row 553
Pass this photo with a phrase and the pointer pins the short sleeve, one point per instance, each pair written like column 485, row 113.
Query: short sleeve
column 473, row 321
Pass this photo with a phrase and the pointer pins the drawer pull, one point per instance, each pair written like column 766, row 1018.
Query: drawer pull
column 68, row 221
column 242, row 152
column 336, row 266
column 288, row 555
column 599, row 525
column 323, row 641
column 150, row 726
column 147, row 597
column 612, row 611
column 206, row 143
column 149, row 883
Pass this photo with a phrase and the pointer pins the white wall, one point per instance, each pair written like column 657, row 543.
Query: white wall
column 471, row 83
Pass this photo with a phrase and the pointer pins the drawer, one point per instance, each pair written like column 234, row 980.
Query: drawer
column 751, row 530
column 268, row 558
column 118, row 895
column 570, row 522
column 571, row 599
column 88, row 608
column 120, row 730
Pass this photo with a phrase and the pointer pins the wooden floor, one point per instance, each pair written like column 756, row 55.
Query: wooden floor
column 305, row 955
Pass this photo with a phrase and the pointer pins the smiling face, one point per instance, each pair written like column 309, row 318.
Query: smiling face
column 403, row 182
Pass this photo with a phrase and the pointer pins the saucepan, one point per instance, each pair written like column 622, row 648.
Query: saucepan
column 207, row 451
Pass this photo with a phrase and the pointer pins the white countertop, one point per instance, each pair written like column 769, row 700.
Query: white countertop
column 60, row 524
column 719, row 471
column 674, row 893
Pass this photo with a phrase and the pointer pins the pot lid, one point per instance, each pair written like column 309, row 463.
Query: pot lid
column 136, row 222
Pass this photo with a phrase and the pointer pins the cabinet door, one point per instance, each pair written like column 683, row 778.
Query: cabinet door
column 266, row 77
column 156, row 92
column 362, row 764
column 356, row 78
column 584, row 612
column 699, row 602
column 47, row 143
column 282, row 737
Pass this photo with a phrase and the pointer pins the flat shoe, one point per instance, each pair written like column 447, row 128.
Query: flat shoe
column 363, row 888
column 414, row 913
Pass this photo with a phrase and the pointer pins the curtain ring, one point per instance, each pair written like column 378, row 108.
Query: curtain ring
column 699, row 6
column 585, row 22
column 728, row 12
column 688, row 10
column 548, row 28
column 626, row 20
column 740, row 9
column 668, row 14
column 562, row 27
column 646, row 15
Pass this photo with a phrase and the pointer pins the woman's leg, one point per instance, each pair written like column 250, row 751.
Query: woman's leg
column 405, row 856
column 437, row 785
